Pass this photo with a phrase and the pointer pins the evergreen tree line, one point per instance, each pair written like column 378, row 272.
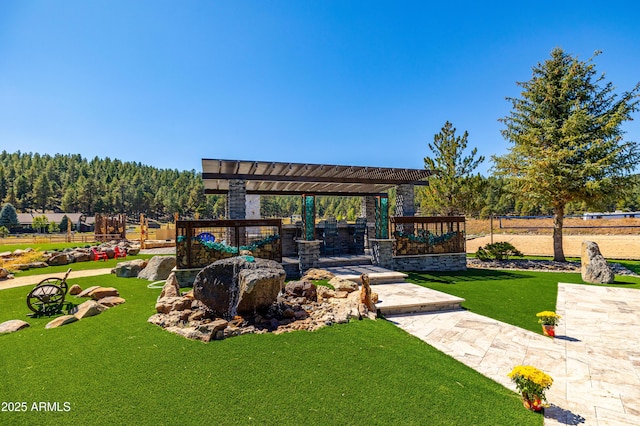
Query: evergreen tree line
column 70, row 183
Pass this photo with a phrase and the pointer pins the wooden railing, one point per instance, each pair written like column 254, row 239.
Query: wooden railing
column 417, row 235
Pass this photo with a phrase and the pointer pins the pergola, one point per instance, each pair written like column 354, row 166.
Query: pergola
column 237, row 178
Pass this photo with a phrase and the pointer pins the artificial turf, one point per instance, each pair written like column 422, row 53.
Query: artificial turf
column 115, row 368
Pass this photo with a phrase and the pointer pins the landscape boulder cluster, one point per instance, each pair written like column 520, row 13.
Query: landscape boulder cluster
column 237, row 296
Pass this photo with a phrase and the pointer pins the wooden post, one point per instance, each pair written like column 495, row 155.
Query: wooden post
column 491, row 225
column 142, row 230
column 68, row 229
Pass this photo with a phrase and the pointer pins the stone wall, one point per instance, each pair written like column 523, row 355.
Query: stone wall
column 431, row 262
column 405, row 200
column 308, row 254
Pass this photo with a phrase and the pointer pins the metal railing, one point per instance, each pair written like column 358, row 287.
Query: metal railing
column 201, row 242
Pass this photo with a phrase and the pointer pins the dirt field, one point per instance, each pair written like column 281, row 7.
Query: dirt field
column 611, row 246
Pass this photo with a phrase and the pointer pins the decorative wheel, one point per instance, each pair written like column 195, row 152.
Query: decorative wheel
column 46, row 299
column 59, row 282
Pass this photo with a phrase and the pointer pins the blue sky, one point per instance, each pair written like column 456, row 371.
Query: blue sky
column 168, row 83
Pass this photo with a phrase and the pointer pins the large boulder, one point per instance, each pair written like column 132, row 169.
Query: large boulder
column 80, row 255
column 4, row 273
column 235, row 285
column 595, row 269
column 12, row 326
column 129, row 269
column 302, row 288
column 158, row 268
column 59, row 259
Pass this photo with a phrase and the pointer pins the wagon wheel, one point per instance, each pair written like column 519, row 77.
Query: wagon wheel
column 59, row 282
column 46, row 299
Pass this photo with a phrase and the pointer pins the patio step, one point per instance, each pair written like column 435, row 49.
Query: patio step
column 405, row 298
column 376, row 278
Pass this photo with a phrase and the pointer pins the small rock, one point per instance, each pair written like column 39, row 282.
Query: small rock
column 75, row 290
column 3, row 273
column 63, row 320
column 340, row 284
column 171, row 288
column 89, row 308
column 86, row 292
column 111, row 301
column 341, row 294
column 317, row 274
column 101, row 292
column 12, row 326
column 168, row 304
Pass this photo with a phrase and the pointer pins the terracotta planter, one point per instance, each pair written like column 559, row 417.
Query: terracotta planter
column 533, row 404
column 549, row 330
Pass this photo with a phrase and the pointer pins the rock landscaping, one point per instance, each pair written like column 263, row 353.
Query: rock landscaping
column 213, row 310
column 102, row 298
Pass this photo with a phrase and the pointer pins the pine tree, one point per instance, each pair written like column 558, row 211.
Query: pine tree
column 451, row 189
column 567, row 140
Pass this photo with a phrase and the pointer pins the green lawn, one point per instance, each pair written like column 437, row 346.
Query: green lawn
column 513, row 297
column 80, row 266
column 116, row 368
column 43, row 246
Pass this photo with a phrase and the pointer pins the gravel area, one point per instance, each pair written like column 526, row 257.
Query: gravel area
column 540, row 265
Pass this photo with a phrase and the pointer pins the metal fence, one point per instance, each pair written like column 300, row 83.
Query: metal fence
column 202, row 242
column 416, row 235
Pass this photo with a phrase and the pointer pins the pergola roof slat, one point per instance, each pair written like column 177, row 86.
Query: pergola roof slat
column 299, row 178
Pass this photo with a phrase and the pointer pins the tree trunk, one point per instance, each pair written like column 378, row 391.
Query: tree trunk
column 558, row 219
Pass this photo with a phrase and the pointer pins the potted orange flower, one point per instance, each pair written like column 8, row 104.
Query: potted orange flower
column 549, row 320
column 532, row 384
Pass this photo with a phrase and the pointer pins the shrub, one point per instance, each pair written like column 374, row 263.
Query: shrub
column 498, row 251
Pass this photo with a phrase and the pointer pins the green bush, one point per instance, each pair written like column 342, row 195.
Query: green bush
column 498, row 251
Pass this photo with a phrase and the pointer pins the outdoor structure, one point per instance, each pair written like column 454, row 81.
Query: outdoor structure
column 109, row 228
column 308, row 240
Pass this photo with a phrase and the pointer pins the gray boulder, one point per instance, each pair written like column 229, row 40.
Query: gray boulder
column 595, row 269
column 59, row 259
column 129, row 269
column 234, row 285
column 158, row 268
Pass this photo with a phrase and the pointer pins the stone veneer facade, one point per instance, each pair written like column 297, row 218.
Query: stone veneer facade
column 382, row 253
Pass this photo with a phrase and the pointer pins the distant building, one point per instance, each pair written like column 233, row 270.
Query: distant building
column 609, row 215
column 80, row 221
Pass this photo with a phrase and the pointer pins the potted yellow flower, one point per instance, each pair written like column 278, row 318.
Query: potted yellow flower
column 532, row 384
column 549, row 320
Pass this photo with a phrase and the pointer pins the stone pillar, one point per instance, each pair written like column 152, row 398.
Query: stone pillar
column 308, row 254
column 382, row 253
column 405, row 200
column 368, row 211
column 236, row 199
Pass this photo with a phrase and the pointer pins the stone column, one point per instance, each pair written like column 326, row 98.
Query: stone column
column 237, row 199
column 382, row 253
column 368, row 210
column 405, row 200
column 308, row 254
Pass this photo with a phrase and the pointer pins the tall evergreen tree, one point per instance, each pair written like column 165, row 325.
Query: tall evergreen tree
column 452, row 188
column 567, row 138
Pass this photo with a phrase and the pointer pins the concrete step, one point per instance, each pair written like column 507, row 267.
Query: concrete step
column 404, row 298
column 377, row 278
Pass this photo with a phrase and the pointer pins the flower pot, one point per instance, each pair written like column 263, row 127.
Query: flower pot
column 549, row 330
column 533, row 404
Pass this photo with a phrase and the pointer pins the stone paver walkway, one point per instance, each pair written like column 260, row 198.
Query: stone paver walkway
column 594, row 361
